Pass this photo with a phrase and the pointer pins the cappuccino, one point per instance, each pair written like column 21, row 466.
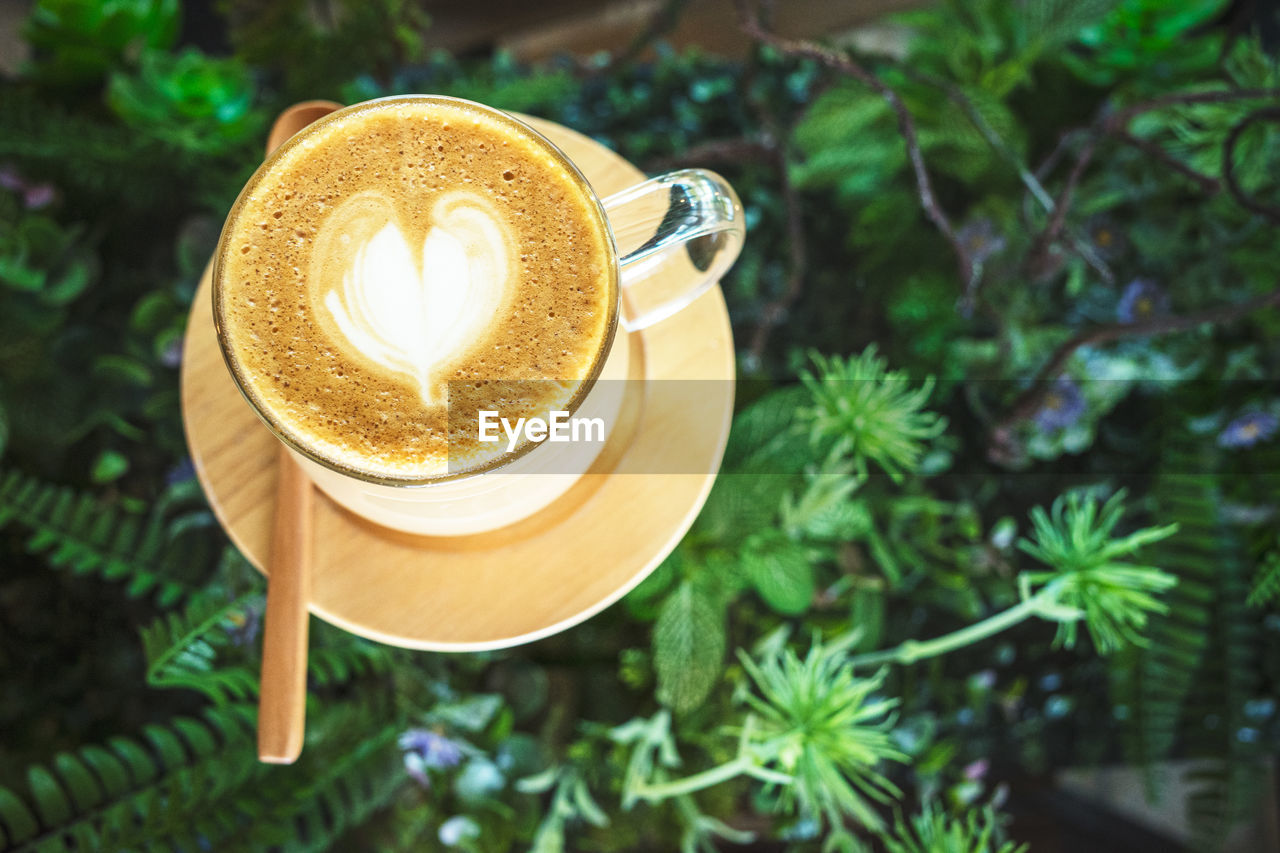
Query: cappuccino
column 404, row 259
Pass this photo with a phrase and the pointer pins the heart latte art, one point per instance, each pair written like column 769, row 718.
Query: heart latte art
column 407, row 303
column 404, row 261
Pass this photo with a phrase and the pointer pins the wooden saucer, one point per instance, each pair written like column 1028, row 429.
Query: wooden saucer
column 522, row 582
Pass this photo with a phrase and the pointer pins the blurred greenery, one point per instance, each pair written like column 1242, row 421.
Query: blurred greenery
column 902, row 469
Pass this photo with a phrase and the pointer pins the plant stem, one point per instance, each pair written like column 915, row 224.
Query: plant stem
column 911, row 651
column 696, row 782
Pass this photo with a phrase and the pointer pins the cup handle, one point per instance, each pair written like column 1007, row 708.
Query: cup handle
column 676, row 235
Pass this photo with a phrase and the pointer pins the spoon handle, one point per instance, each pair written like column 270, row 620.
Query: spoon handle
column 282, row 698
column 282, row 689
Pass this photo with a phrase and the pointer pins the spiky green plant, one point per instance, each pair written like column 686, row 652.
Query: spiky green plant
column 828, row 728
column 1090, row 584
column 935, row 831
column 869, row 413
column 1077, row 538
column 815, row 734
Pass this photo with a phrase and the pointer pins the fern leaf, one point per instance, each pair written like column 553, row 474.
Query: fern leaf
column 1200, row 663
column 1266, row 584
column 196, row 784
column 334, row 793
column 122, row 795
column 1229, row 783
column 1152, row 683
column 80, row 532
column 329, row 666
column 181, row 648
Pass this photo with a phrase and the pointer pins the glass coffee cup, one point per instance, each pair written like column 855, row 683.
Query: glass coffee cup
column 668, row 240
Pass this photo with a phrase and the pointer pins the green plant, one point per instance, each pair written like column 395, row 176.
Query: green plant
column 998, row 498
column 1115, row 597
column 187, row 100
column 934, row 831
column 80, row 40
column 869, row 414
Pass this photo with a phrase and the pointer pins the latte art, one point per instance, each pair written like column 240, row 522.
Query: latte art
column 405, row 259
column 408, row 310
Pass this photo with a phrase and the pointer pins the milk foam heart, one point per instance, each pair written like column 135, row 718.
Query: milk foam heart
column 404, row 307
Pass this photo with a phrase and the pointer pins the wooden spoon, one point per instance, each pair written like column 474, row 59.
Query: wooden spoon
column 282, row 693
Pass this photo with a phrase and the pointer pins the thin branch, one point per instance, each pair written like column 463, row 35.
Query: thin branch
column 1058, row 217
column 1029, row 402
column 1244, row 199
column 749, row 17
column 1122, row 117
column 997, row 142
column 1116, row 124
column 1209, row 185
column 1029, row 180
column 1064, row 142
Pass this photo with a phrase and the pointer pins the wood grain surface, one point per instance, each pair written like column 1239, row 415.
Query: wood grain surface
column 524, row 581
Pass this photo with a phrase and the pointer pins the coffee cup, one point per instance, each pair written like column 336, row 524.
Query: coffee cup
column 404, row 273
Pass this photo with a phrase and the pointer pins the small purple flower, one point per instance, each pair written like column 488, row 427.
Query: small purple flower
column 425, row 750
column 37, row 196
column 1062, row 406
column 11, row 180
column 976, row 770
column 34, row 196
column 980, row 240
column 983, row 679
column 1248, row 429
column 171, row 355
column 1142, row 299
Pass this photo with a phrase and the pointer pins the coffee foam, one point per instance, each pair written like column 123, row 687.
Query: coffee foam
column 406, row 256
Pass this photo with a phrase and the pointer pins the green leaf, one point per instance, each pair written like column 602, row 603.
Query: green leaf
column 19, row 823
column 586, row 805
column 761, row 431
column 167, row 745
column 110, row 465
column 141, row 766
column 73, row 282
column 84, row 789
column 123, row 369
column 689, row 643
column 844, row 138
column 1055, row 22
column 780, row 570
column 472, row 714
column 107, row 768
column 51, row 801
column 866, row 615
column 1266, row 583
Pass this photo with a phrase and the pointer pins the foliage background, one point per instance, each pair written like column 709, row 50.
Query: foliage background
column 1066, row 256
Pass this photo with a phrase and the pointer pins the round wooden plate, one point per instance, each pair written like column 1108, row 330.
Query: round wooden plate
column 520, row 583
